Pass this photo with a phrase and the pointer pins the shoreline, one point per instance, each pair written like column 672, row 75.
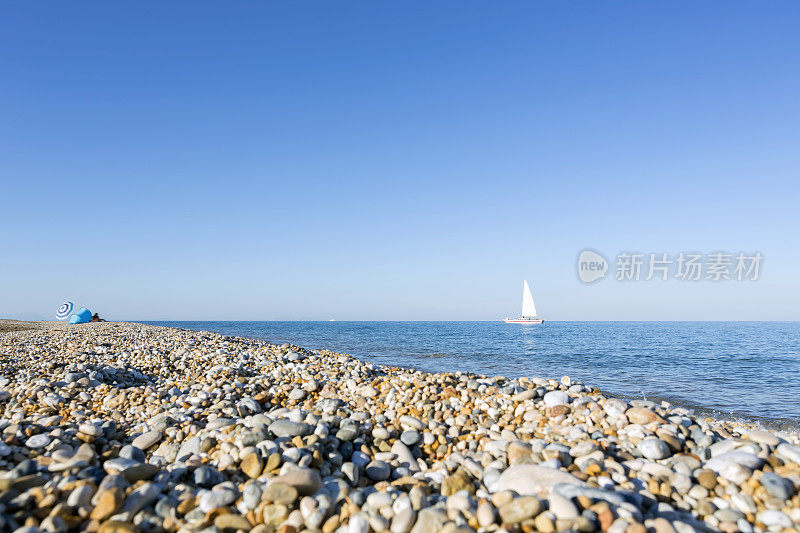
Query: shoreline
column 232, row 432
column 733, row 417
column 8, row 325
column 784, row 426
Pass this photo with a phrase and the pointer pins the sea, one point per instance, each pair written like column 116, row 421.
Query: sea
column 740, row 371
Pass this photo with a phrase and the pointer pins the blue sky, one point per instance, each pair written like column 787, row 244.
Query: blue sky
column 193, row 160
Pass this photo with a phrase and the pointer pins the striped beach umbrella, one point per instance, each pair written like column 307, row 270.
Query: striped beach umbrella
column 64, row 310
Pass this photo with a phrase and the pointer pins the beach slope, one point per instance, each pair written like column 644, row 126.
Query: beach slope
column 116, row 427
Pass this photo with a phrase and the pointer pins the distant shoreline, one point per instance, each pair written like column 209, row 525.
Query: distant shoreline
column 25, row 325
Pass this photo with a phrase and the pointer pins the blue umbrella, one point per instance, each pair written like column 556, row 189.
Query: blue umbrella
column 64, row 310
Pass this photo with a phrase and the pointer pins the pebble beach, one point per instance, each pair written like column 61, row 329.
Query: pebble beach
column 123, row 428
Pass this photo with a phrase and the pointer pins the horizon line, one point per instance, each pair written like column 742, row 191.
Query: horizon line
column 440, row 320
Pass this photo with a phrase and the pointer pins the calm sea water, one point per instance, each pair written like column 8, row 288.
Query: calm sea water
column 739, row 370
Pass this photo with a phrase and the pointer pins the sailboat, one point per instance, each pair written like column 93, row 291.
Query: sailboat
column 528, row 314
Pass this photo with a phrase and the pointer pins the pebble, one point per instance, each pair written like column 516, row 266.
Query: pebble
column 404, row 515
column 280, row 493
column 410, row 437
column 641, row 415
column 214, row 499
column 378, row 471
column 533, row 480
column 411, row 422
column 380, row 433
column 117, row 526
column 141, row 497
column 90, row 430
column 707, row 478
column 615, row 497
column 232, row 522
column 38, row 441
column 252, row 465
column 745, row 459
column 189, row 447
column 455, row 483
column 654, row 449
column 139, row 472
column 763, row 437
column 287, row 428
column 304, row 480
column 774, row 518
column 108, row 502
column 554, row 398
column 520, row 509
column 81, row 496
column 274, row 514
column 744, row 502
column 357, row 524
column 788, row 452
column 404, row 456
column 777, row 486
column 251, row 495
column 545, row 524
column 563, row 508
column 486, row 514
column 147, row 440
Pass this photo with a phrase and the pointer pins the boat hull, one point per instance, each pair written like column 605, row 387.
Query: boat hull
column 523, row 320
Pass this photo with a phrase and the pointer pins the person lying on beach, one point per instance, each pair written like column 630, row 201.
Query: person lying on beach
column 96, row 318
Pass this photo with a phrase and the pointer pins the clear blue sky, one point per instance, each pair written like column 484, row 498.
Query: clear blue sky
column 246, row 160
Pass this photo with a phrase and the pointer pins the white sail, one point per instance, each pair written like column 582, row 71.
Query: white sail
column 528, row 308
